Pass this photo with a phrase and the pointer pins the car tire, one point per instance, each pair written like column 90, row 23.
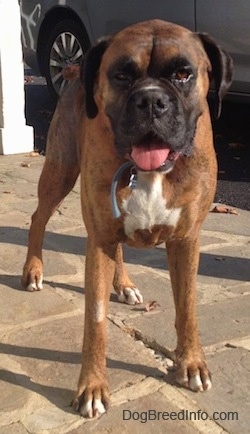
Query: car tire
column 66, row 45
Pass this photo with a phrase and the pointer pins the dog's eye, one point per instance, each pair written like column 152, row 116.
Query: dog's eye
column 182, row 75
column 123, row 78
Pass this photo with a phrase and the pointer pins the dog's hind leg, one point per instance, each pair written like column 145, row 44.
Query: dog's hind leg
column 126, row 290
column 55, row 183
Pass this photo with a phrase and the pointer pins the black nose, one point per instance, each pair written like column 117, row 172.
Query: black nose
column 152, row 102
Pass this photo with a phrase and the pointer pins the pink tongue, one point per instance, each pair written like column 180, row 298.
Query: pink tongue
column 149, row 157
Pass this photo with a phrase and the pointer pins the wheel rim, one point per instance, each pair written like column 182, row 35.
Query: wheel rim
column 65, row 51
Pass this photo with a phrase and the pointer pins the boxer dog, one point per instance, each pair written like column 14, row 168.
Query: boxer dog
column 136, row 125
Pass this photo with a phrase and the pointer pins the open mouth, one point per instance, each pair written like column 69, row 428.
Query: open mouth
column 152, row 153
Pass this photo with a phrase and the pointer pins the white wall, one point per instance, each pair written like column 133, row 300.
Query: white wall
column 15, row 136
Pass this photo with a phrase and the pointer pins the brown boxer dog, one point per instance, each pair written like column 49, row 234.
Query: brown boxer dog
column 137, row 127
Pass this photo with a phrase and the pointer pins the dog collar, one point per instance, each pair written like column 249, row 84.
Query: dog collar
column 132, row 184
column 132, row 181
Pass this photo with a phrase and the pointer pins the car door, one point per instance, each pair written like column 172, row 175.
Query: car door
column 109, row 16
column 228, row 21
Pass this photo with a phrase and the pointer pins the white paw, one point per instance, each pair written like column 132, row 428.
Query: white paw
column 130, row 296
column 195, row 383
column 93, row 409
column 207, row 384
column 35, row 286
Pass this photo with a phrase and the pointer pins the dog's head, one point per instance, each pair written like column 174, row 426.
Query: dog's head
column 151, row 81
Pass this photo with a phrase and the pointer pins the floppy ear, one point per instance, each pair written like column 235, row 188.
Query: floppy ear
column 88, row 74
column 222, row 69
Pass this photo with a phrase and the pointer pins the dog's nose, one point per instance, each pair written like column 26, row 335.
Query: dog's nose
column 152, row 101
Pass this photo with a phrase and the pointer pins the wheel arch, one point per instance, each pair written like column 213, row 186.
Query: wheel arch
column 54, row 16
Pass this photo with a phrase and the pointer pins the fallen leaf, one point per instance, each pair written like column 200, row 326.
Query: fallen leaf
column 25, row 164
column 32, row 154
column 223, row 209
column 28, row 79
column 151, row 305
column 228, row 345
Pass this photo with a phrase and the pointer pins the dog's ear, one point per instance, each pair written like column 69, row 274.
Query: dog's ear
column 89, row 70
column 222, row 69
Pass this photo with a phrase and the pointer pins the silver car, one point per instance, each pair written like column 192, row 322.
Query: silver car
column 57, row 33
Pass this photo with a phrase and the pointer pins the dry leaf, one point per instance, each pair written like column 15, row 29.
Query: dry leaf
column 151, row 305
column 223, row 209
column 28, row 79
column 32, row 154
column 25, row 164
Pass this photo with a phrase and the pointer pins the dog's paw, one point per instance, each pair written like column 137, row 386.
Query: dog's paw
column 92, row 400
column 193, row 374
column 130, row 296
column 89, row 409
column 32, row 278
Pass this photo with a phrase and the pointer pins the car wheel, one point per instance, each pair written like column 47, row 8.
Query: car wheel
column 66, row 46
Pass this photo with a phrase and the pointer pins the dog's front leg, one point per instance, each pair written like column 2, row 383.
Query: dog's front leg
column 183, row 258
column 93, row 391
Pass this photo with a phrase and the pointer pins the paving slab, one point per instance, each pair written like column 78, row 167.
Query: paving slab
column 45, row 361
column 14, row 428
column 229, row 397
column 159, row 325
column 144, row 415
column 229, row 223
column 41, row 333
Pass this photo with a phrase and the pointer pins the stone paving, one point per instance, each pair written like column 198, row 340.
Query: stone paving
column 41, row 333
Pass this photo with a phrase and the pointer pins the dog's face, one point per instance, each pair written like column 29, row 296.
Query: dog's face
column 152, row 85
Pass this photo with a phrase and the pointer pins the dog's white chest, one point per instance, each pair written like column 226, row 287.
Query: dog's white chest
column 146, row 206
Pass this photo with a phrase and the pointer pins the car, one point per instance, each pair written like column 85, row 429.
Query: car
column 58, row 33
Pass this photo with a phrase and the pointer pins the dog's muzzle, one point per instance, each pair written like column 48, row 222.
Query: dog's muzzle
column 150, row 104
column 151, row 128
